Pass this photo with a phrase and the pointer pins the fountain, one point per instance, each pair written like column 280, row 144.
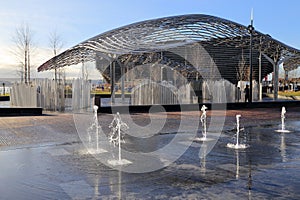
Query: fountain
column 283, row 130
column 116, row 137
column 204, row 129
column 94, row 128
column 237, row 145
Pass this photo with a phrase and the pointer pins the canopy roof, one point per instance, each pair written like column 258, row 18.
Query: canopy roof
column 220, row 37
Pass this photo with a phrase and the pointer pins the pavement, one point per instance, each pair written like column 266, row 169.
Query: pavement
column 41, row 157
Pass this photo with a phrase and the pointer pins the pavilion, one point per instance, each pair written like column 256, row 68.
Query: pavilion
column 188, row 44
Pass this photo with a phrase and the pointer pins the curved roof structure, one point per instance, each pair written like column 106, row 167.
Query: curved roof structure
column 227, row 43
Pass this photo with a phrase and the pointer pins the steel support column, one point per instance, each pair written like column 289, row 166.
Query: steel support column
column 122, row 82
column 259, row 79
column 276, row 80
column 112, row 81
column 251, row 29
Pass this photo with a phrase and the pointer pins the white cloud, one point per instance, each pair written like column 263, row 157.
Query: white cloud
column 10, row 64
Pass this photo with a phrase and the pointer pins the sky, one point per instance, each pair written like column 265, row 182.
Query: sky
column 78, row 20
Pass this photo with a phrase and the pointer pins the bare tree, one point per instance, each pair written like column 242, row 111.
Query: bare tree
column 20, row 71
column 56, row 44
column 242, row 70
column 23, row 42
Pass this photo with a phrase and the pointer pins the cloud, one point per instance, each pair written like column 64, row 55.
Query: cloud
column 11, row 64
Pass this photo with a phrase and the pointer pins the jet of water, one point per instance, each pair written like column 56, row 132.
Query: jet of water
column 237, row 145
column 118, row 128
column 203, row 121
column 283, row 129
column 283, row 111
column 94, row 128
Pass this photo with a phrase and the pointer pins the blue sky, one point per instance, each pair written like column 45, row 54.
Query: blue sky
column 78, row 20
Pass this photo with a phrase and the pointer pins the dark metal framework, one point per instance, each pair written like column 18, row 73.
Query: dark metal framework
column 155, row 40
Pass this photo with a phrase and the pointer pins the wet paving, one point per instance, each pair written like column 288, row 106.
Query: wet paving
column 42, row 157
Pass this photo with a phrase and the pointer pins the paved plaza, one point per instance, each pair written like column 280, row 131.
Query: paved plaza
column 41, row 158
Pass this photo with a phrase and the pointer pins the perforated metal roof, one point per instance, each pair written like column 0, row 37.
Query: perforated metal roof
column 223, row 39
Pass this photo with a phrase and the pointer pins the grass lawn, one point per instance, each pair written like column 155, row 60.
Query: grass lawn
column 106, row 92
column 289, row 93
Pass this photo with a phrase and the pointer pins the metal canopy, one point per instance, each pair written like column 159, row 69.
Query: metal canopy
column 227, row 43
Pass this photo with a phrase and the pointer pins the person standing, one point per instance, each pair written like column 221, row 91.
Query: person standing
column 238, row 94
column 247, row 93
